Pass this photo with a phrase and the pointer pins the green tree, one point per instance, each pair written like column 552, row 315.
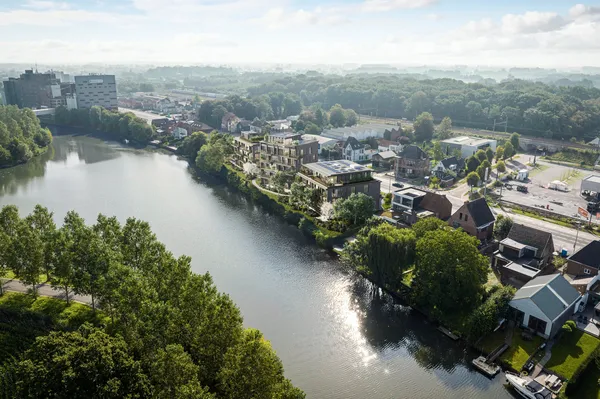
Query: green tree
column 438, row 154
column 174, row 375
column 499, row 153
column 489, row 153
column 485, row 318
column 311, row 128
column 481, row 172
column 424, row 127
column 450, row 272
column 41, row 221
column 472, row 164
column 500, row 167
column 321, row 118
column 354, row 210
column 426, row 225
column 480, row 155
column 86, row 363
column 509, row 151
column 351, row 117
column 252, row 370
column 26, row 255
column 514, row 140
column 282, row 180
column 473, row 179
column 444, row 130
column 502, row 227
column 211, row 158
column 337, row 116
column 192, row 144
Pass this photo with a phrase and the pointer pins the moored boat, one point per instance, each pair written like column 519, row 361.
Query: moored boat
column 528, row 387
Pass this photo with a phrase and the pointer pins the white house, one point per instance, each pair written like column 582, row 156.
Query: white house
column 466, row 145
column 545, row 303
column 179, row 132
column 354, row 151
column 325, row 143
column 449, row 164
column 360, row 132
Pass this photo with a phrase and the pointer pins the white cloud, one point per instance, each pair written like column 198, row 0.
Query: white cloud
column 581, row 10
column 60, row 17
column 387, row 5
column 46, row 5
column 532, row 22
column 279, row 18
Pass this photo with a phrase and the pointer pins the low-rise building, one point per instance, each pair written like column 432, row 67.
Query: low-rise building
column 475, row 218
column 359, row 132
column 229, row 122
column 412, row 161
column 325, row 143
column 447, row 165
column 585, row 262
column 466, row 145
column 412, row 204
column 544, row 304
column 341, row 179
column 179, row 132
column 388, row 145
column 354, row 150
column 523, row 254
column 286, row 152
column 384, row 159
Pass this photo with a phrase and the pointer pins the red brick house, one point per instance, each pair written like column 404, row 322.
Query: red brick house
column 412, row 161
column 475, row 218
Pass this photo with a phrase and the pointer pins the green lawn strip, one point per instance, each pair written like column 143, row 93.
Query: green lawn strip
column 10, row 275
column 570, row 352
column 492, row 280
column 520, row 350
column 586, row 386
column 492, row 341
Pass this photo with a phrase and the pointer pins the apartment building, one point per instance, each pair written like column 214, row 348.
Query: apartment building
column 31, row 89
column 286, row 152
column 96, row 90
column 341, row 179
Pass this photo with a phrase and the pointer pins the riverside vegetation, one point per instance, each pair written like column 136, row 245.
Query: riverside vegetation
column 21, row 136
column 155, row 329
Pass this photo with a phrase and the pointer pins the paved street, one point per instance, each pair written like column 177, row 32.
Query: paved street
column 45, row 290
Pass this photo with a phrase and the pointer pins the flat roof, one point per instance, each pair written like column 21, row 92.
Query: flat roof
column 339, row 167
column 411, row 192
column 522, row 269
column 592, row 179
column 512, row 243
column 464, row 140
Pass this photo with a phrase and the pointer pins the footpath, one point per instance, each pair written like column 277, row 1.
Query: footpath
column 45, row 290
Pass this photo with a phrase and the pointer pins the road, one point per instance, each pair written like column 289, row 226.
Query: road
column 45, row 290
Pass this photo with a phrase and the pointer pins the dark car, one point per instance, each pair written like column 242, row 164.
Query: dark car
column 399, row 185
column 522, row 189
column 593, row 206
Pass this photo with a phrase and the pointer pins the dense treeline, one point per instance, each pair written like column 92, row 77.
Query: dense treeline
column 119, row 125
column 445, row 271
column 169, row 333
column 21, row 136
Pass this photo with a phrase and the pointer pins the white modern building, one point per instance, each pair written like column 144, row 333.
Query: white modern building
column 359, row 132
column 466, row 145
column 179, row 132
column 100, row 90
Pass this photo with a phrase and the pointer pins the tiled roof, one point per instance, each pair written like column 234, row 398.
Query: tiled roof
column 355, row 144
column 588, row 255
column 552, row 294
column 480, row 212
column 413, row 152
column 530, row 236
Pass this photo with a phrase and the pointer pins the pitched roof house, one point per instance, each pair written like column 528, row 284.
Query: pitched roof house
column 544, row 304
column 475, row 218
column 586, row 261
column 384, row 159
column 412, row 161
column 523, row 254
column 449, row 164
column 413, row 204
column 354, row 150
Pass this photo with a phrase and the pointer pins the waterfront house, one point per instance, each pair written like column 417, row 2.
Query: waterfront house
column 246, row 148
column 412, row 204
column 340, row 179
column 179, row 132
column 523, row 255
column 544, row 304
column 475, row 218
column 412, row 161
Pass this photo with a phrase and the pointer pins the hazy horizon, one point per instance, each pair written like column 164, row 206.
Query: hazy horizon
column 553, row 34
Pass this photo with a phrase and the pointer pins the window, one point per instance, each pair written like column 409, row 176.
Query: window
column 586, row 271
column 460, row 216
column 466, row 217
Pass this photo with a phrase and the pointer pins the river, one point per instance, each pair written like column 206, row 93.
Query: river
column 336, row 342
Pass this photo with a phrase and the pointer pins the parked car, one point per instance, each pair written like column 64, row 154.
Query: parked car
column 522, row 189
column 399, row 185
column 593, row 206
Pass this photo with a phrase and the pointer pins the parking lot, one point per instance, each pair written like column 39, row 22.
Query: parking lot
column 539, row 195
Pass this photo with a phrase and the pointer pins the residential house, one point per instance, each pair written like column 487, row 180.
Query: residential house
column 449, row 165
column 523, row 255
column 466, row 145
column 582, row 271
column 179, row 132
column 384, row 159
column 394, row 134
column 544, row 304
column 280, row 126
column 412, row 161
column 341, row 179
column 229, row 122
column 354, row 151
column 475, row 218
column 243, row 126
column 412, row 204
column 245, row 150
column 286, row 152
column 387, row 145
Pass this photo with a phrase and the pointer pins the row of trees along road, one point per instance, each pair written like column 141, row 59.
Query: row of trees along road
column 117, row 124
column 21, row 136
column 530, row 108
column 169, row 333
column 448, row 272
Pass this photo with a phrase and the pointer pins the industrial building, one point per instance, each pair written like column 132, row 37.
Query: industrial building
column 466, row 145
column 96, row 90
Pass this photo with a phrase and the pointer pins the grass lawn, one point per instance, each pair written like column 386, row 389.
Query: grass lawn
column 407, row 277
column 571, row 351
column 491, row 280
column 520, row 350
column 587, row 385
column 11, row 276
column 492, row 341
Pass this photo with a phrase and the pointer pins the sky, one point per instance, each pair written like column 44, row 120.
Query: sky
column 528, row 33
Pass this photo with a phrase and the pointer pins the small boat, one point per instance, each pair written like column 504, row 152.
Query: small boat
column 486, row 368
column 528, row 387
column 126, row 141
